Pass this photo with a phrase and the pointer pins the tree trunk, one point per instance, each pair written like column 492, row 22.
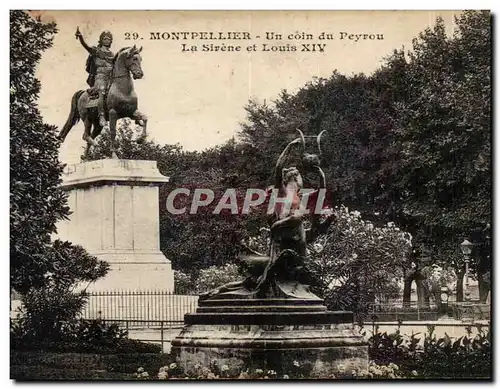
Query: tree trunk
column 484, row 288
column 427, row 297
column 460, row 286
column 407, row 291
column 483, row 271
column 422, row 294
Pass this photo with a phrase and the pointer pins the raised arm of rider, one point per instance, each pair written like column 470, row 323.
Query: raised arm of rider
column 90, row 49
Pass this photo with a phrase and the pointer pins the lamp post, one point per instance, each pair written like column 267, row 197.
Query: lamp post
column 466, row 248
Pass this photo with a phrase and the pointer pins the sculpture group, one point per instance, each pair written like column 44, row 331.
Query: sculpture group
column 282, row 271
column 270, row 317
column 111, row 95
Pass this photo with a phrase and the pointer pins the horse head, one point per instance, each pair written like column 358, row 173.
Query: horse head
column 131, row 59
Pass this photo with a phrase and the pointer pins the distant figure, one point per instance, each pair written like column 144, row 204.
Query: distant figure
column 99, row 66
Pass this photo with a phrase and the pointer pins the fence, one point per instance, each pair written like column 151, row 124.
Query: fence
column 143, row 306
column 472, row 310
column 163, row 306
column 396, row 310
column 467, row 311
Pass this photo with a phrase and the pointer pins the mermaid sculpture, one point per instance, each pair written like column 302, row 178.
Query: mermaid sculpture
column 281, row 273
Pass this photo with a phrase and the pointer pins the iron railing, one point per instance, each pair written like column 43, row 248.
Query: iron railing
column 145, row 306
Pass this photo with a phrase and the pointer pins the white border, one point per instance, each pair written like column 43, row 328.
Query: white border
column 184, row 5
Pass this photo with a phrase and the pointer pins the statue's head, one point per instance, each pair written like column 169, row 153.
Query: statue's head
column 105, row 39
column 291, row 175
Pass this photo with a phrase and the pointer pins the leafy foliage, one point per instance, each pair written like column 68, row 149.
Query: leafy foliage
column 183, row 283
column 215, row 276
column 46, row 311
column 356, row 262
column 444, row 129
column 46, row 273
column 465, row 357
column 36, row 201
column 80, row 336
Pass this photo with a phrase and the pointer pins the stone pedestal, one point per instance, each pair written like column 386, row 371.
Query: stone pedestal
column 115, row 217
column 285, row 335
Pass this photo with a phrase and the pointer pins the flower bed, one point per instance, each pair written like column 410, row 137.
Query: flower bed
column 39, row 365
column 392, row 356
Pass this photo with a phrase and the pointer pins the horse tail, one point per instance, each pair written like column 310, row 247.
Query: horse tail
column 73, row 116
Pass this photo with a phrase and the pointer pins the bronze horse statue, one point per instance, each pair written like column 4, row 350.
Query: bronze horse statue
column 121, row 101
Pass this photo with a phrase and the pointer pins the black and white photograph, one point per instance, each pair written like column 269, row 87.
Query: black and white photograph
column 244, row 195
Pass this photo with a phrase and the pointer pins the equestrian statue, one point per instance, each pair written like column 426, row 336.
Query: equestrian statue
column 111, row 94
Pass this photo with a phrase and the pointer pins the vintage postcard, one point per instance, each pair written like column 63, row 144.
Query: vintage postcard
column 246, row 195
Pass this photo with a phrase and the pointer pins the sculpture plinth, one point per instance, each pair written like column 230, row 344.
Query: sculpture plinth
column 270, row 334
column 115, row 216
column 270, row 319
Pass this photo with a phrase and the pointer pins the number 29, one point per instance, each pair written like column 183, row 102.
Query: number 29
column 131, row 35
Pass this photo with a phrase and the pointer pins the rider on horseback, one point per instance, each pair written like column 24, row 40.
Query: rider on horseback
column 99, row 66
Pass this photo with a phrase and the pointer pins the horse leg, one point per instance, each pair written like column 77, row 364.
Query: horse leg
column 97, row 130
column 113, row 117
column 87, row 138
column 86, row 134
column 142, row 120
column 86, row 153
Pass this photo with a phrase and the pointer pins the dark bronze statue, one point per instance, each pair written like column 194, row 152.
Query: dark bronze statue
column 111, row 79
column 281, row 272
column 311, row 158
column 99, row 66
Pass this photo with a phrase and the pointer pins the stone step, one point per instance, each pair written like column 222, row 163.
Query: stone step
column 263, row 308
column 264, row 301
column 268, row 318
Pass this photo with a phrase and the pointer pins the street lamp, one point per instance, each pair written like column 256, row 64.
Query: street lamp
column 466, row 248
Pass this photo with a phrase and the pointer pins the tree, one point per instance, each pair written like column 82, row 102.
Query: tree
column 356, row 262
column 409, row 144
column 46, row 273
column 444, row 128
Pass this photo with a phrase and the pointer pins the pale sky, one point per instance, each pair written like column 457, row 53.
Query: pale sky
column 197, row 99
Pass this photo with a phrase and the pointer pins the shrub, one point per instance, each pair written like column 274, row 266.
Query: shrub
column 216, row 276
column 82, row 336
column 183, row 283
column 356, row 261
column 465, row 357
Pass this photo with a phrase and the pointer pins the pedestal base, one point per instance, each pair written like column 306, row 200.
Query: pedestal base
column 115, row 216
column 285, row 335
column 135, row 271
